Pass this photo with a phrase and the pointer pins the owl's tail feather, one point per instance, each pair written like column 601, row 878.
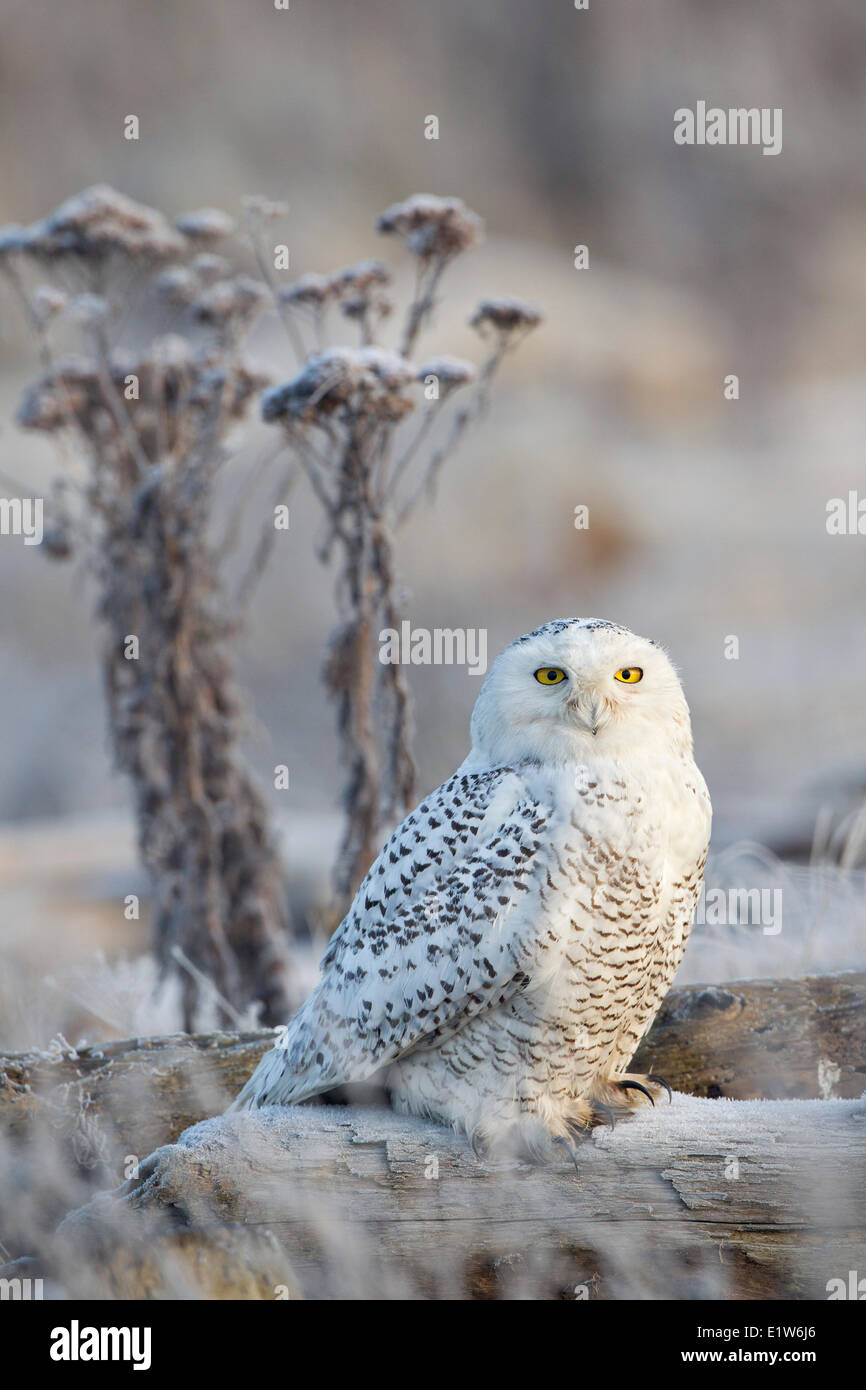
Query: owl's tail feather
column 282, row 1076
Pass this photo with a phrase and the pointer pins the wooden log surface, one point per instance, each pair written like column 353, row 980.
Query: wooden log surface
column 700, row 1199
column 705, row 1198
column 776, row 1039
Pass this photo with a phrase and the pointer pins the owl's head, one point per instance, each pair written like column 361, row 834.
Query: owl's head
column 579, row 687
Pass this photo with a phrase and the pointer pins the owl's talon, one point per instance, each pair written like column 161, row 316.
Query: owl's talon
column 567, row 1145
column 660, row 1081
column 605, row 1110
column 637, row 1086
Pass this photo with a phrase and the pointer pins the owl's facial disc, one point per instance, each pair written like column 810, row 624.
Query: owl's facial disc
column 586, row 698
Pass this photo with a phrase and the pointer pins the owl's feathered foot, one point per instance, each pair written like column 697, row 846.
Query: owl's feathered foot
column 617, row 1097
column 535, row 1148
column 535, row 1136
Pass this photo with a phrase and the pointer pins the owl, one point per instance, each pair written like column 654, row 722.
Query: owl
column 513, row 941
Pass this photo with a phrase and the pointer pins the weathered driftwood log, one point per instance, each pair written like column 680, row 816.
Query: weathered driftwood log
column 699, row 1199
column 759, row 1038
column 770, row 1039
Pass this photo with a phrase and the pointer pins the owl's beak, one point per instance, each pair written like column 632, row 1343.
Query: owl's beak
column 591, row 713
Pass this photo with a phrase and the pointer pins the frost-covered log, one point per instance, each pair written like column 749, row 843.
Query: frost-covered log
column 771, row 1039
column 699, row 1199
column 126, row 1097
column 774, row 1039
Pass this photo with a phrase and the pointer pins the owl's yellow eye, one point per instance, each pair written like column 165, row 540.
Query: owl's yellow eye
column 550, row 675
column 629, row 675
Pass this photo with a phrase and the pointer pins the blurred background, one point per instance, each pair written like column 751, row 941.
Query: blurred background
column 707, row 516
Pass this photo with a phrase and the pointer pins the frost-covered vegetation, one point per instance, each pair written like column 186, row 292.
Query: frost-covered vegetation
column 147, row 422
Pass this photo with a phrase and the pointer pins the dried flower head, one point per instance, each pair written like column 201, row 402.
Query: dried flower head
column 310, row 290
column 363, row 275
column 205, row 225
column 172, row 379
column 250, row 295
column 233, row 386
column 57, row 542
column 208, row 268
column 226, row 301
column 57, row 397
column 46, row 302
column 171, row 352
column 260, row 209
column 358, row 289
column 98, row 222
column 361, row 306
column 433, row 227
column 347, row 379
column 506, row 316
column 91, row 310
column 177, row 284
column 450, row 372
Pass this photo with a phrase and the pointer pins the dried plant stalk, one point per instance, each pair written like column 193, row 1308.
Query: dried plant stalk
column 151, row 429
column 145, row 513
column 342, row 413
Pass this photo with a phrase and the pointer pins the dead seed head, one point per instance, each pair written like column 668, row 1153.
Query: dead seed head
column 208, row 268
column 433, row 227
column 91, row 310
column 171, row 352
column 57, row 397
column 226, row 301
column 57, row 543
column 172, row 379
column 451, row 373
column 217, row 304
column 359, row 305
column 177, row 284
column 250, row 294
column 364, row 275
column 358, row 289
column 46, row 302
column 96, row 223
column 350, row 380
column 311, row 290
column 233, row 386
column 205, row 225
column 506, row 316
column 257, row 208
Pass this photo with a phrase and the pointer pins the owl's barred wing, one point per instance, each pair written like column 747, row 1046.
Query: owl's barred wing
column 435, row 936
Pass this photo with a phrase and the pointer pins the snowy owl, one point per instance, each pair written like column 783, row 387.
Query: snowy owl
column 512, row 943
